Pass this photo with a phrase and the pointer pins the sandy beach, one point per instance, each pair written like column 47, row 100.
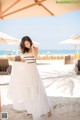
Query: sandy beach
column 62, row 86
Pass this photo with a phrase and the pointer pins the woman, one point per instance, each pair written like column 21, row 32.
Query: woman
column 26, row 83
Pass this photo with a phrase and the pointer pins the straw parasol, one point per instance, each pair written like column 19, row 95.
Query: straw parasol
column 8, row 39
column 13, row 41
column 74, row 40
column 29, row 8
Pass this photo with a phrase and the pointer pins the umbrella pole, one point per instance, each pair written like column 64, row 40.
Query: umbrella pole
column 75, row 51
column 75, row 54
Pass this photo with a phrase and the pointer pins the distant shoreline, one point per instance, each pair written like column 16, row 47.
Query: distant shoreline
column 42, row 52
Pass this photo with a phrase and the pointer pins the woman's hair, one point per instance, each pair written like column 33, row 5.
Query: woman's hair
column 22, row 44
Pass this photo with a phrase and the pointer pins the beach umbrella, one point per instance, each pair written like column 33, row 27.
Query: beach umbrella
column 75, row 40
column 71, row 41
column 36, row 44
column 8, row 39
column 29, row 8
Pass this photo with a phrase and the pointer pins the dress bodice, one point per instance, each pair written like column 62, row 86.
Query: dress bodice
column 29, row 58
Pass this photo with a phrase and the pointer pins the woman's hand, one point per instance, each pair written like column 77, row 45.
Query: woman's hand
column 22, row 60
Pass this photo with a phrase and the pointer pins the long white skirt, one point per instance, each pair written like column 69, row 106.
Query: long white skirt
column 26, row 90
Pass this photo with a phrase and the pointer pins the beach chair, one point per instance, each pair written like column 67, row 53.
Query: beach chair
column 77, row 67
column 0, row 101
column 5, row 68
column 67, row 59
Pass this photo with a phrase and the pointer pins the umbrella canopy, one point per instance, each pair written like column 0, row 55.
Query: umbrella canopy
column 29, row 8
column 36, row 44
column 75, row 40
column 13, row 41
column 71, row 41
column 76, row 37
column 7, row 38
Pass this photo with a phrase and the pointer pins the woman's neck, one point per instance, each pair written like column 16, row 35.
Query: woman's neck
column 30, row 51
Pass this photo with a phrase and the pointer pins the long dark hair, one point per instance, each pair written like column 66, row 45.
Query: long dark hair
column 22, row 45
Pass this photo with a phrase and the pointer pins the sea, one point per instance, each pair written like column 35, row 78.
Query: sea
column 41, row 52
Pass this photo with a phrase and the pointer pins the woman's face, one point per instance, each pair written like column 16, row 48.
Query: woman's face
column 27, row 44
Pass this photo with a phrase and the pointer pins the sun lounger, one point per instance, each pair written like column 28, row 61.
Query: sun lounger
column 68, row 60
column 77, row 67
column 0, row 101
column 5, row 68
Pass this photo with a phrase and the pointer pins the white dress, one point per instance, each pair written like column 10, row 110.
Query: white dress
column 26, row 89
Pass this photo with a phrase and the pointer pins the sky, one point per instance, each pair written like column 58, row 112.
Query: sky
column 49, row 31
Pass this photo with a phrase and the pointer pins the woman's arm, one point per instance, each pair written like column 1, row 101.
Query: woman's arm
column 34, row 51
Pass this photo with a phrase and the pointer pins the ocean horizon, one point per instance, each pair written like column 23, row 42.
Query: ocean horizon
column 41, row 52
